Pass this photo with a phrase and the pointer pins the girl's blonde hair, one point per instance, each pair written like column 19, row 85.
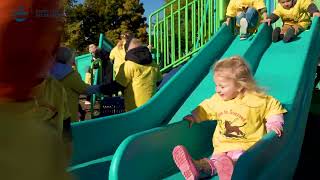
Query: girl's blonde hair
column 237, row 69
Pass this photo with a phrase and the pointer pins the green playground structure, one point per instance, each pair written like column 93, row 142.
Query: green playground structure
column 286, row 70
column 125, row 146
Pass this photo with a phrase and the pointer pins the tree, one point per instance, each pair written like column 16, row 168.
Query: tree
column 112, row 17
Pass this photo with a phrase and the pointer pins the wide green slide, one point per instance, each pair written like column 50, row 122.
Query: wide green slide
column 285, row 70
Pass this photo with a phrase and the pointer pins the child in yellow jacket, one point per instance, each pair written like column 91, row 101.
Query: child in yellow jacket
column 71, row 80
column 138, row 76
column 296, row 17
column 247, row 14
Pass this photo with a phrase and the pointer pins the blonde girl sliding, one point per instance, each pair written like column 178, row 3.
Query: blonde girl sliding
column 244, row 114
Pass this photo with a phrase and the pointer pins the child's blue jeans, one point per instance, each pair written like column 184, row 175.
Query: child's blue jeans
column 251, row 15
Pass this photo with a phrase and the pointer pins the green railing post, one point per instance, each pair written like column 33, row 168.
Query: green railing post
column 186, row 26
column 157, row 40
column 173, row 57
column 179, row 28
column 193, row 13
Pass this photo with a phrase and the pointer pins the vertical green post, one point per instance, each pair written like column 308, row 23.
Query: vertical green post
column 199, row 20
column 173, row 57
column 165, row 38
column 161, row 43
column 205, row 15
column 222, row 6
column 167, row 41
column 149, row 30
column 210, row 19
column 186, row 26
column 201, row 30
column 193, row 25
column 158, row 43
column 179, row 28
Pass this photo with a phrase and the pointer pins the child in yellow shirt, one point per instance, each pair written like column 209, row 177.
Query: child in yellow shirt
column 118, row 53
column 296, row 17
column 137, row 77
column 71, row 80
column 244, row 114
column 247, row 14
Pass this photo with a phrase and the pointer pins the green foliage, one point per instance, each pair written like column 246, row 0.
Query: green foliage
column 86, row 21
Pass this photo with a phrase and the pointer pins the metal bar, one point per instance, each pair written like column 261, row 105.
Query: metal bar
column 186, row 27
column 173, row 48
column 179, row 28
column 157, row 44
column 193, row 25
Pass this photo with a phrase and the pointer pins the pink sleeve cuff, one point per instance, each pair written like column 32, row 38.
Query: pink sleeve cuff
column 275, row 121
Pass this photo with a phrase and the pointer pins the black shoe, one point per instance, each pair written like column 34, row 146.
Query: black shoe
column 276, row 34
column 288, row 35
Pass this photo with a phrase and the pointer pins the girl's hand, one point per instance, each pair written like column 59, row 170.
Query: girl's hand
column 316, row 14
column 190, row 119
column 228, row 21
column 267, row 20
column 278, row 130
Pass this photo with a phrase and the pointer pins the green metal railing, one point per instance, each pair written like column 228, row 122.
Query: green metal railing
column 181, row 27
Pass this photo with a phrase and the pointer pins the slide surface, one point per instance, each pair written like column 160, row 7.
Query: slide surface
column 286, row 71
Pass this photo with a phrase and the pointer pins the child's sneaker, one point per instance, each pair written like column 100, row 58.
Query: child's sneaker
column 224, row 167
column 244, row 36
column 243, row 28
column 276, row 34
column 289, row 35
column 184, row 162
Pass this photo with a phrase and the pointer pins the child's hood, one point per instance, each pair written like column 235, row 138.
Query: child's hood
column 140, row 55
column 60, row 71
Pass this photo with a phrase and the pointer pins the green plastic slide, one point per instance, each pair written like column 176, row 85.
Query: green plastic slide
column 93, row 151
column 287, row 72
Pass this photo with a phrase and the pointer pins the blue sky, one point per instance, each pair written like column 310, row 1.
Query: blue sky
column 149, row 5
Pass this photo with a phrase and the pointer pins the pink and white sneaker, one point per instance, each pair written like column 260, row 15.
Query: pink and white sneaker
column 184, row 162
column 224, row 167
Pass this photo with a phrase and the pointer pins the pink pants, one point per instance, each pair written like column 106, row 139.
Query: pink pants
column 234, row 155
